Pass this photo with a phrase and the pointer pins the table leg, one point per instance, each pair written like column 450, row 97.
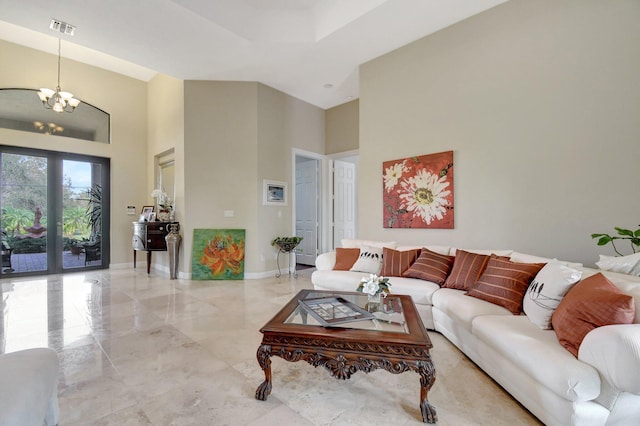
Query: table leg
column 427, row 377
column 134, row 259
column 148, row 261
column 264, row 359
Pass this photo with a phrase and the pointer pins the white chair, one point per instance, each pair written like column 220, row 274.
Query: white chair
column 29, row 388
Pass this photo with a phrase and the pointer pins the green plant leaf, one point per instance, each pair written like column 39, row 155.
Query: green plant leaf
column 637, row 233
column 604, row 240
column 622, row 231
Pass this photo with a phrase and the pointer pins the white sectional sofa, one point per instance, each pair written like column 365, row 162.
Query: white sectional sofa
column 599, row 387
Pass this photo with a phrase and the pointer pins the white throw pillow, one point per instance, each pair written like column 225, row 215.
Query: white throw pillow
column 369, row 261
column 624, row 264
column 547, row 290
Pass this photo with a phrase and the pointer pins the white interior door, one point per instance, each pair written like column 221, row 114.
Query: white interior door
column 307, row 206
column 344, row 202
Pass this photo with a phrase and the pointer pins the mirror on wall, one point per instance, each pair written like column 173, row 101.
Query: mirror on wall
column 21, row 109
column 165, row 173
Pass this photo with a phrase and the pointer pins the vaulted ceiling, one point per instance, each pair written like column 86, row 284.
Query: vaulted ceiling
column 309, row 49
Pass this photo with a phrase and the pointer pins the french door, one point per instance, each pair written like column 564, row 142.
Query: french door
column 55, row 211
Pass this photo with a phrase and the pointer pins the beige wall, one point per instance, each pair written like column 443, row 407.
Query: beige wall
column 236, row 135
column 342, row 128
column 166, row 132
column 539, row 102
column 124, row 98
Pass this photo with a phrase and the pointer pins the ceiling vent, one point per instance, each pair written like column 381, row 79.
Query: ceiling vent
column 63, row 27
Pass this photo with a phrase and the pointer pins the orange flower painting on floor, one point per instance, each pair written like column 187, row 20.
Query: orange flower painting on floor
column 218, row 254
column 418, row 192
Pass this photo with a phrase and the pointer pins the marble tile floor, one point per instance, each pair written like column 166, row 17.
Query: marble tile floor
column 138, row 349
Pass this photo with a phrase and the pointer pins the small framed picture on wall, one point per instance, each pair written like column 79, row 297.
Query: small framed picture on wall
column 274, row 193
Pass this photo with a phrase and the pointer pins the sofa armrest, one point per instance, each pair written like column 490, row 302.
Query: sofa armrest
column 614, row 350
column 326, row 261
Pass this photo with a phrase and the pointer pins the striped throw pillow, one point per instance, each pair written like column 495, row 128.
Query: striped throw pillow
column 467, row 268
column 504, row 283
column 395, row 262
column 430, row 266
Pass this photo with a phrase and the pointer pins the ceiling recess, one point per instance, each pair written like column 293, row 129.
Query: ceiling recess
column 63, row 27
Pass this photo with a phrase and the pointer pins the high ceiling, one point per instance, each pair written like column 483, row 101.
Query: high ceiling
column 310, row 49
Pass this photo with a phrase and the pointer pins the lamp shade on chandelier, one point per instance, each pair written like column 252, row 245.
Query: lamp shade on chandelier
column 58, row 100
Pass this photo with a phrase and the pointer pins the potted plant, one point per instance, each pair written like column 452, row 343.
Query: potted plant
column 286, row 244
column 623, row 234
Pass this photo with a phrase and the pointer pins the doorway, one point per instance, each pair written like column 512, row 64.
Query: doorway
column 54, row 211
column 307, row 208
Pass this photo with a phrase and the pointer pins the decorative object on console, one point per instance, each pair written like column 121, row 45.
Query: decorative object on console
column 218, row 254
column 346, row 258
column 395, row 263
column 418, row 192
column 370, row 260
column 58, row 100
column 467, row 268
column 165, row 205
column 547, row 290
column 431, row 266
column 593, row 302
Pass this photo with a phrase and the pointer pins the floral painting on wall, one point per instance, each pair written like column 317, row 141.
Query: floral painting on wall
column 218, row 254
column 418, row 192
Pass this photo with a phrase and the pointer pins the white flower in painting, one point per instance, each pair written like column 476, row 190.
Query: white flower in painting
column 425, row 195
column 393, row 174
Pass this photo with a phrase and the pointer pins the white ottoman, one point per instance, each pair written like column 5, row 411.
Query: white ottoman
column 29, row 388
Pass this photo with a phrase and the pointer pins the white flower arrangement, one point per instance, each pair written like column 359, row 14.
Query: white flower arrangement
column 163, row 199
column 374, row 285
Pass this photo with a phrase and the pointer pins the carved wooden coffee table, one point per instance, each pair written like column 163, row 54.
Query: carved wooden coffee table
column 397, row 342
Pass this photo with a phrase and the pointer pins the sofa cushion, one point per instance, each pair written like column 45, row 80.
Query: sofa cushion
column 538, row 353
column 547, row 290
column 345, row 258
column 487, row 252
column 528, row 258
column 420, row 291
column 624, row 264
column 504, row 282
column 430, row 266
column 462, row 308
column 591, row 303
column 467, row 268
column 395, row 263
column 369, row 260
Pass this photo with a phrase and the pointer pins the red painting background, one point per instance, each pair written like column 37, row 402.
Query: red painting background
column 395, row 211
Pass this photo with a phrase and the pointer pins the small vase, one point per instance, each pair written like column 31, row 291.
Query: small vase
column 375, row 298
column 164, row 215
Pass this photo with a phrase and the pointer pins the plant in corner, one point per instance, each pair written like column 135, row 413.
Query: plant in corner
column 623, row 234
column 286, row 244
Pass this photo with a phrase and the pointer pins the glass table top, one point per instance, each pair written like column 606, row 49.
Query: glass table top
column 386, row 316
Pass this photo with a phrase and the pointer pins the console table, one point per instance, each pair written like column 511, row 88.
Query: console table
column 149, row 236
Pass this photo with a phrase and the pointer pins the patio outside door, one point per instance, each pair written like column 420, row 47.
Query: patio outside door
column 53, row 211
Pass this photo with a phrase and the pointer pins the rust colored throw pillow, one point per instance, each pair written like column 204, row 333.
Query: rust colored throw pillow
column 504, row 283
column 467, row 268
column 345, row 258
column 593, row 302
column 430, row 266
column 395, row 262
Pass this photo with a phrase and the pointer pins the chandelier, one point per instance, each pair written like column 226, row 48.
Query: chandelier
column 58, row 100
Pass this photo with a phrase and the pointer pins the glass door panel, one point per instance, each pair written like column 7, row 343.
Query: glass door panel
column 25, row 212
column 81, row 214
